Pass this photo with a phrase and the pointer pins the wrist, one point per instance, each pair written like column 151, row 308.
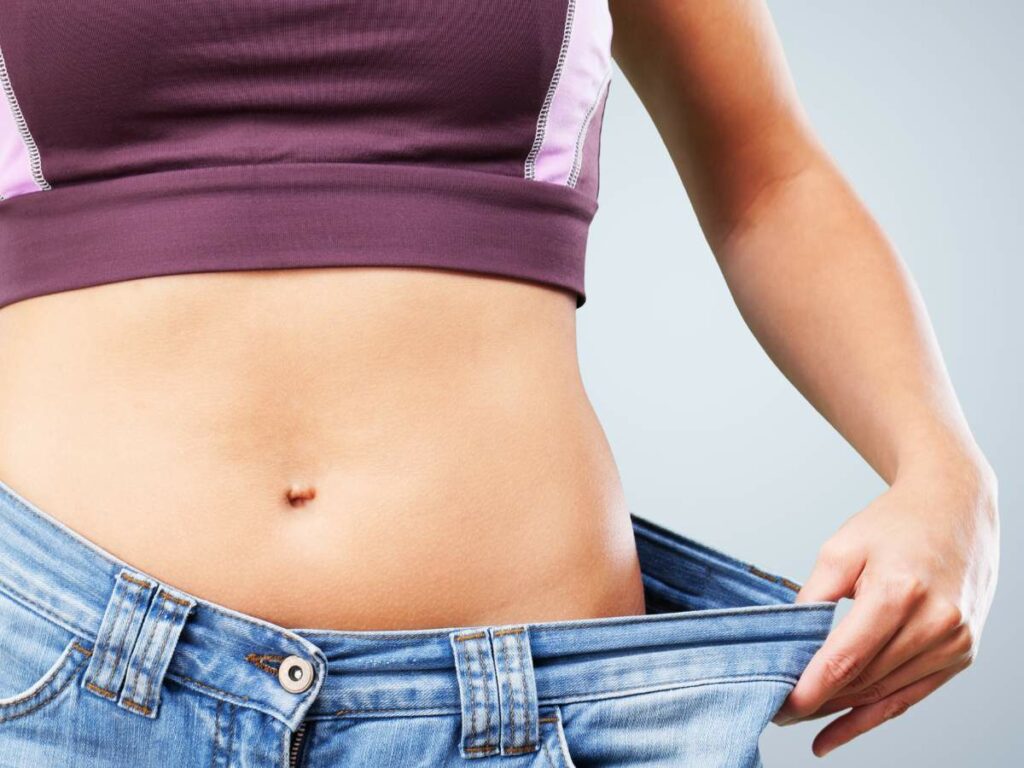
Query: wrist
column 959, row 468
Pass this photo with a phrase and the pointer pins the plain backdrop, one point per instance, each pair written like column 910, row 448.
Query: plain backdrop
column 920, row 104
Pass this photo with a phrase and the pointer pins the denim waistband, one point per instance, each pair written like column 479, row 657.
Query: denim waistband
column 710, row 617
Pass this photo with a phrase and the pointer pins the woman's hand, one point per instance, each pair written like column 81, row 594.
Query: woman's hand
column 921, row 563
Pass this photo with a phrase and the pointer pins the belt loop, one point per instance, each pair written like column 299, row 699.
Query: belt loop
column 517, row 690
column 119, row 628
column 481, row 718
column 153, row 651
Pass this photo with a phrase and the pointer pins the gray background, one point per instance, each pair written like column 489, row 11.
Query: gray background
column 920, row 104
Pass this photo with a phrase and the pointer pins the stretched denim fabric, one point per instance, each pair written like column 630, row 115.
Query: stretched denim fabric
column 103, row 665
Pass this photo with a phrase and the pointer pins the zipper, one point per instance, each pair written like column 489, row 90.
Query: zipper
column 296, row 745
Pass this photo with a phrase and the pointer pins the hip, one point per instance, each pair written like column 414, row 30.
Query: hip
column 106, row 660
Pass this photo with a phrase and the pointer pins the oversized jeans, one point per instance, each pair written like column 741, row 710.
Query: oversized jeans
column 103, row 665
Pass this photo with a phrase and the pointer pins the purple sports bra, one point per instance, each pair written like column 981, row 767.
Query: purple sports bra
column 151, row 137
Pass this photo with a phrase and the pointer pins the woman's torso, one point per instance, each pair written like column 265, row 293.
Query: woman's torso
column 460, row 474
column 167, row 376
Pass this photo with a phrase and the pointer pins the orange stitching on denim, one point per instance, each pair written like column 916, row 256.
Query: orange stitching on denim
column 81, row 648
column 508, row 688
column 174, row 599
column 216, row 734
column 231, row 733
column 212, row 688
column 521, row 750
column 48, row 699
column 131, row 619
column 259, row 660
column 484, row 681
column 473, row 636
column 133, row 580
column 547, row 720
column 773, row 578
column 101, row 691
column 344, row 712
column 147, row 694
column 486, row 748
column 18, row 595
column 468, row 673
column 136, row 706
column 41, row 685
column 512, row 631
column 521, row 660
column 548, row 756
column 132, row 684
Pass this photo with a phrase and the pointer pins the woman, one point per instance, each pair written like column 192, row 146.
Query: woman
column 298, row 466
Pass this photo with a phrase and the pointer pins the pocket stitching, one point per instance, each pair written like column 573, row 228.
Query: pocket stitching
column 69, row 662
column 561, row 757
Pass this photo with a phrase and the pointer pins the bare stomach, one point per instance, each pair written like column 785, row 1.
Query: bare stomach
column 351, row 448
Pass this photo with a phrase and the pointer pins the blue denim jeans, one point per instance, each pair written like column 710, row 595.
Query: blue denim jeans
column 103, row 665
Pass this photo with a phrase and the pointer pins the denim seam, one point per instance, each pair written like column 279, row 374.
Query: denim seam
column 410, row 712
column 555, row 700
column 62, row 530
column 53, row 693
column 216, row 732
column 468, row 675
column 232, row 708
column 168, row 631
column 103, row 641
column 527, row 714
column 604, row 621
column 228, row 696
column 509, row 692
column 484, row 683
column 132, row 687
column 547, row 754
column 708, row 555
column 18, row 596
column 704, row 614
column 626, row 692
column 136, row 594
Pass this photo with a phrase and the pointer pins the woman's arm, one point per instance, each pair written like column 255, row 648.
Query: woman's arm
column 829, row 299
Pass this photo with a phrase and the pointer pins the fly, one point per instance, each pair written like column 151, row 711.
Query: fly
column 296, row 745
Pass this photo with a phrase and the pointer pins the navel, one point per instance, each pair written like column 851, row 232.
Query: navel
column 299, row 493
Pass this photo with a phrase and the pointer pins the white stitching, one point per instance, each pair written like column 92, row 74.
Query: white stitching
column 530, row 168
column 35, row 162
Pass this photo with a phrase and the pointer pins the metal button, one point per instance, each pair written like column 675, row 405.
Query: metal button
column 295, row 674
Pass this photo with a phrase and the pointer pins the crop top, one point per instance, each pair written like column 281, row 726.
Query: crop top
column 152, row 137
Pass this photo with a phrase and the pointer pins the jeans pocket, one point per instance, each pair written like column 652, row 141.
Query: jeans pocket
column 553, row 743
column 40, row 658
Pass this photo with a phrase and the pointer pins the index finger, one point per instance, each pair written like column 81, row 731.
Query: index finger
column 847, row 650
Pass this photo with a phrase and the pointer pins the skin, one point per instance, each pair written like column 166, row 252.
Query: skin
column 831, row 302
column 387, row 448
column 344, row 448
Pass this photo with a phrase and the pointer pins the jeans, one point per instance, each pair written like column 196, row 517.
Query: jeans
column 104, row 665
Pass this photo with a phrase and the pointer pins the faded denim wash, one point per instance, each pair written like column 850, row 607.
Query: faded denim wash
column 102, row 665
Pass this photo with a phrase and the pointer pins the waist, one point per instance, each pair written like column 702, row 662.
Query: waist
column 391, row 440
column 708, row 617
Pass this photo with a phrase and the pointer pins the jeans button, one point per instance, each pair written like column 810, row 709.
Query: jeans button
column 295, row 674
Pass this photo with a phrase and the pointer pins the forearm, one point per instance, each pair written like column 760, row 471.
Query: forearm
column 829, row 299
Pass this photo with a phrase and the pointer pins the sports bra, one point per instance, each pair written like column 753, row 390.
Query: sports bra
column 165, row 136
